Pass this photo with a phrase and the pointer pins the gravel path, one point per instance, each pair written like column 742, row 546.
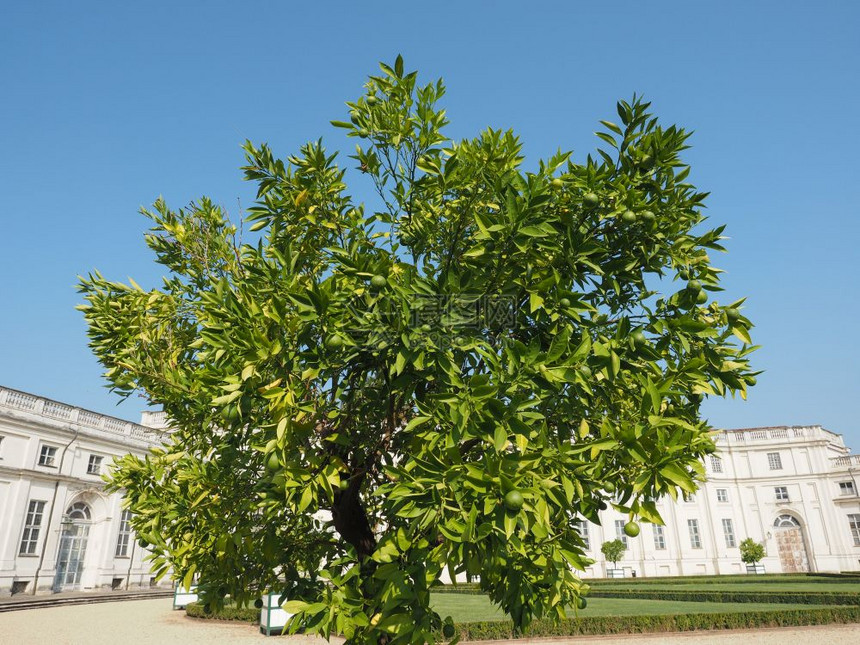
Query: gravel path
column 153, row 622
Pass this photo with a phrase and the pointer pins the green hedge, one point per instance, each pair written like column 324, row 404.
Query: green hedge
column 800, row 597
column 596, row 625
column 734, row 578
column 229, row 612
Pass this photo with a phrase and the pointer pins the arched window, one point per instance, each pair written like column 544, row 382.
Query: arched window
column 786, row 522
column 78, row 511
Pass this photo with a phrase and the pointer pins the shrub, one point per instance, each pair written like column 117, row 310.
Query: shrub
column 228, row 612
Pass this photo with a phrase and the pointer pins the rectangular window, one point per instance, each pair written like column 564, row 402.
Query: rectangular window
column 581, row 527
column 774, row 461
column 47, row 456
column 659, row 537
column 847, row 488
column 716, row 464
column 722, row 495
column 689, row 497
column 729, row 533
column 1, row 445
column 124, row 535
column 695, row 536
column 854, row 524
column 781, row 493
column 619, row 531
column 32, row 527
column 94, row 465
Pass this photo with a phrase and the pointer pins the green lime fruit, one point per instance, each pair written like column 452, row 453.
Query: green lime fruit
column 609, row 487
column 639, row 338
column 448, row 630
column 702, row 297
column 364, row 133
column 684, row 274
column 585, row 370
column 581, row 603
column 732, row 314
column 648, row 216
column 372, row 100
column 378, row 281
column 334, row 342
column 557, row 183
column 631, row 529
column 514, row 500
column 591, row 199
column 564, row 302
column 343, row 484
column 273, row 464
column 629, row 217
column 751, row 380
column 694, row 285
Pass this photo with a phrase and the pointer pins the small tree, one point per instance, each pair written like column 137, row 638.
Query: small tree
column 613, row 551
column 453, row 374
column 751, row 551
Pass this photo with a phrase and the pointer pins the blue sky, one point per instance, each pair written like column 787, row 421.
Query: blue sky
column 105, row 106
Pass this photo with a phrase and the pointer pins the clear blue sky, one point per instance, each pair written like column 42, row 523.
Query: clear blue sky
column 105, row 106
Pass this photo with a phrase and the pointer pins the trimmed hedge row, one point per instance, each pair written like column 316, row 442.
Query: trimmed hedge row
column 229, row 612
column 738, row 578
column 799, row 597
column 596, row 625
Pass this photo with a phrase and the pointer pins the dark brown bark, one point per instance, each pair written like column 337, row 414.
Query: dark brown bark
column 350, row 520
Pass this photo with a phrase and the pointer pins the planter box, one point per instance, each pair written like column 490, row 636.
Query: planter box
column 183, row 597
column 755, row 568
column 273, row 619
column 615, row 573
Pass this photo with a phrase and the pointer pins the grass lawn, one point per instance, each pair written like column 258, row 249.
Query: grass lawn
column 837, row 587
column 470, row 607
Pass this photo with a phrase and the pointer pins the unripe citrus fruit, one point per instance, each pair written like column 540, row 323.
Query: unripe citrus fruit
column 258, row 603
column 372, row 100
column 557, row 183
column 638, row 337
column 364, row 133
column 609, row 487
column 590, row 199
column 648, row 216
column 378, row 281
column 631, row 529
column 334, row 342
column 732, row 314
column 514, row 500
column 629, row 217
column 585, row 370
column 448, row 630
column 273, row 464
column 581, row 603
column 564, row 302
column 702, row 297
column 694, row 285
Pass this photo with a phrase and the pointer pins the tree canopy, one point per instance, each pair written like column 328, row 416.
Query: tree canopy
column 613, row 550
column 751, row 551
column 448, row 377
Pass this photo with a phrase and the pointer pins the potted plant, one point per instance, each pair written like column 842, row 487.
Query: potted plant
column 613, row 551
column 751, row 553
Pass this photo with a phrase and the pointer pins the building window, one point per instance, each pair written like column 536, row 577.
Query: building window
column 689, row 497
column 124, row 536
column 845, row 488
column 1, row 445
column 619, row 531
column 695, row 536
column 854, row 523
column 781, row 493
column 774, row 461
column 659, row 537
column 47, row 456
column 722, row 495
column 32, row 527
column 94, row 465
column 716, row 464
column 729, row 533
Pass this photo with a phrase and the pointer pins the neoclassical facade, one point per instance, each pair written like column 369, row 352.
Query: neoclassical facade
column 792, row 488
column 59, row 529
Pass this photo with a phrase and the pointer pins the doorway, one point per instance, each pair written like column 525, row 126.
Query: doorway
column 73, row 547
column 791, row 544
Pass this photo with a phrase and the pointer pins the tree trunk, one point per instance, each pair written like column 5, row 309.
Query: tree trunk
column 351, row 521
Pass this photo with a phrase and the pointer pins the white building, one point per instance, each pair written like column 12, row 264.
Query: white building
column 59, row 529
column 792, row 488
